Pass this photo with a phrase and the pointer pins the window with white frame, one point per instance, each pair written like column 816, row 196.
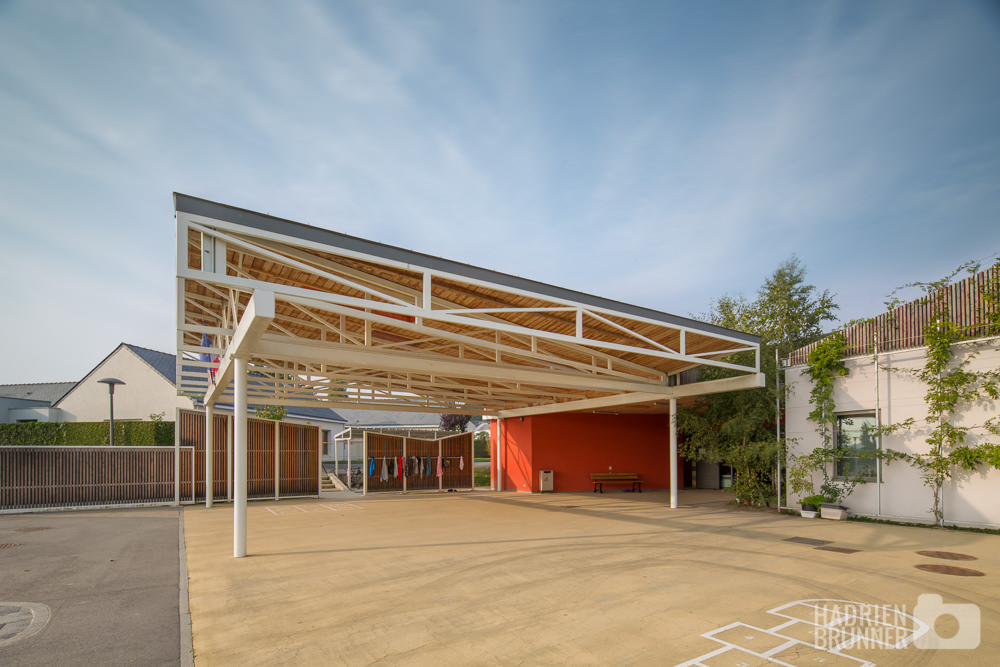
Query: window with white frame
column 856, row 438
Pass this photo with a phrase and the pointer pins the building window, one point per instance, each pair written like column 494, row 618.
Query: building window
column 856, row 437
column 326, row 443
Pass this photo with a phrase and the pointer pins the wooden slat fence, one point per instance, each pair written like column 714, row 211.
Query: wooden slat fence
column 298, row 456
column 419, row 471
column 903, row 327
column 51, row 477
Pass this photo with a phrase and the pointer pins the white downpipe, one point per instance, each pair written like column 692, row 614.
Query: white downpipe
column 777, row 415
column 878, row 440
column 209, row 451
column 240, row 460
column 673, row 453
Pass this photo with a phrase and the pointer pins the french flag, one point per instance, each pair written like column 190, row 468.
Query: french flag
column 209, row 357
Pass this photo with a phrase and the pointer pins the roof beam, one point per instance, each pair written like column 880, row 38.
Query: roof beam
column 696, row 389
column 374, row 358
column 256, row 318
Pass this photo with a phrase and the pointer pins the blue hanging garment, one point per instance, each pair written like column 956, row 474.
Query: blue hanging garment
column 371, row 468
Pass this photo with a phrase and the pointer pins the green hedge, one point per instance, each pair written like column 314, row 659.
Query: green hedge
column 87, row 434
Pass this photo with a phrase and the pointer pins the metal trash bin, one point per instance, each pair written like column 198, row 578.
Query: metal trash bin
column 545, row 481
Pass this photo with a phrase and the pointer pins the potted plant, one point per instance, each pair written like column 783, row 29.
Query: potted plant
column 811, row 504
column 832, row 491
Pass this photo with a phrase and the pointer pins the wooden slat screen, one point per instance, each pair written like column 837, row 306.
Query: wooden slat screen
column 456, row 459
column 298, row 464
column 42, row 477
column 298, row 451
column 903, row 328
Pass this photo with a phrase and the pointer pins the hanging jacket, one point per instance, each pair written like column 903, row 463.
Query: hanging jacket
column 371, row 468
column 440, row 470
column 384, row 476
column 461, row 463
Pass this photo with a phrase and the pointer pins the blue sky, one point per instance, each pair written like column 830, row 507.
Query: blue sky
column 659, row 153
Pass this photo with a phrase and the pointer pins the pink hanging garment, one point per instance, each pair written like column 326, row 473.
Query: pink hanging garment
column 440, row 469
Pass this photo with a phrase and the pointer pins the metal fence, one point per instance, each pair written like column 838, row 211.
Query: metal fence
column 51, row 477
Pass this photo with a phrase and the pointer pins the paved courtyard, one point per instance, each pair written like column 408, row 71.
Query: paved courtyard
column 488, row 578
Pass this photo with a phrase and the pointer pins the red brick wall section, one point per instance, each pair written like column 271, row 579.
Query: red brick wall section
column 575, row 445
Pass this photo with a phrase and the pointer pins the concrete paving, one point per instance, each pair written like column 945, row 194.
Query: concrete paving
column 103, row 585
column 497, row 579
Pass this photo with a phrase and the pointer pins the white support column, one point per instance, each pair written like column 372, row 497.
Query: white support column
column 209, row 455
column 673, row 453
column 277, row 460
column 404, row 467
column 177, row 457
column 499, row 454
column 240, row 460
column 364, row 461
column 229, row 459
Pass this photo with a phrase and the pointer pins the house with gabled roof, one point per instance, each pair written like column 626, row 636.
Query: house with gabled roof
column 30, row 402
column 149, row 390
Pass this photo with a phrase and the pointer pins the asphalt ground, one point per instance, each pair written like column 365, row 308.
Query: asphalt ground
column 483, row 578
column 109, row 581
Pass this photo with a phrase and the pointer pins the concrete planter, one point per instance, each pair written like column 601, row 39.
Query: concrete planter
column 835, row 512
column 809, row 514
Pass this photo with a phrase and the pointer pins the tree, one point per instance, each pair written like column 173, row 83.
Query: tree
column 452, row 422
column 739, row 427
column 272, row 412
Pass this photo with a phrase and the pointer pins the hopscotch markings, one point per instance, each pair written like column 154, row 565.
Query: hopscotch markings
column 299, row 509
column 812, row 634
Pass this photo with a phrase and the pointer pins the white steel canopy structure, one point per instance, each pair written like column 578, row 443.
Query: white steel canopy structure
column 319, row 318
column 325, row 319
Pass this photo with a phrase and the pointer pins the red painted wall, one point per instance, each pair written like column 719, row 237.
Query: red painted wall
column 575, row 445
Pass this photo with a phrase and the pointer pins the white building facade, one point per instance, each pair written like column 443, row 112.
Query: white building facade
column 971, row 498
column 883, row 389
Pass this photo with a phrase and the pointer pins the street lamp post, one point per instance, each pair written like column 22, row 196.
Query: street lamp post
column 111, row 382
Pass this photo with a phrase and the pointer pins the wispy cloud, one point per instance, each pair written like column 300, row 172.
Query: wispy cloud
column 662, row 154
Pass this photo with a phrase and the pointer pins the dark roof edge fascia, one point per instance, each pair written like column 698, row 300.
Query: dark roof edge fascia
column 209, row 209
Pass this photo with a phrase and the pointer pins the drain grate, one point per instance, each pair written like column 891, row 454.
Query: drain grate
column 808, row 540
column 946, row 555
column 951, row 569
column 839, row 550
column 32, row 529
column 9, row 545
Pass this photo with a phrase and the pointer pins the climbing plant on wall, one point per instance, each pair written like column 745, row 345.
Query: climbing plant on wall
column 952, row 386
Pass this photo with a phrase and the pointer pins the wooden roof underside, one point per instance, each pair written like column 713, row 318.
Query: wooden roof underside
column 362, row 325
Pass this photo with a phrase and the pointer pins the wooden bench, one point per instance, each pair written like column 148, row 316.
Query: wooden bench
column 601, row 478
